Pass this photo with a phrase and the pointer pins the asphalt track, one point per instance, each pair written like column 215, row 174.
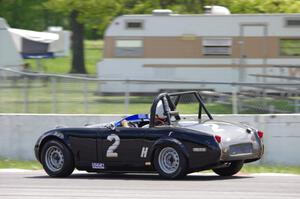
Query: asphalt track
column 35, row 184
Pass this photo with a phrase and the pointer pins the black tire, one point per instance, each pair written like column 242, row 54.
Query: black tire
column 179, row 171
column 50, row 151
column 233, row 168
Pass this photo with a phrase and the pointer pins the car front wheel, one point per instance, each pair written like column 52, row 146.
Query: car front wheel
column 233, row 168
column 170, row 162
column 57, row 159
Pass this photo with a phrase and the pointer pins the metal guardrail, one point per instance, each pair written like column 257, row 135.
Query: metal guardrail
column 36, row 74
column 61, row 90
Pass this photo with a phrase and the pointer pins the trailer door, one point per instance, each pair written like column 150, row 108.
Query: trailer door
column 253, row 50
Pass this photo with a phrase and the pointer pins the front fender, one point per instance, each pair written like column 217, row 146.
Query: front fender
column 54, row 134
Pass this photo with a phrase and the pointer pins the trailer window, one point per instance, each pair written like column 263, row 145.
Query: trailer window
column 290, row 47
column 129, row 48
column 134, row 25
column 292, row 22
column 217, row 46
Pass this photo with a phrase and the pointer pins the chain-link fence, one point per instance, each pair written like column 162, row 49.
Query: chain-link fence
column 28, row 92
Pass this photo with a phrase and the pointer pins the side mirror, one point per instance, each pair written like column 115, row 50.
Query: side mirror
column 111, row 126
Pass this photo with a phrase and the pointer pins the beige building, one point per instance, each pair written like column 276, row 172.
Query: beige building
column 222, row 48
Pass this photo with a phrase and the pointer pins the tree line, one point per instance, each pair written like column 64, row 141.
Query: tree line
column 89, row 18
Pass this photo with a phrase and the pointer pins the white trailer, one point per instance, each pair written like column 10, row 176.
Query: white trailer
column 9, row 55
column 16, row 44
column 223, row 48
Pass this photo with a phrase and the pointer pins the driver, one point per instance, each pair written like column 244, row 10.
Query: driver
column 125, row 124
column 160, row 118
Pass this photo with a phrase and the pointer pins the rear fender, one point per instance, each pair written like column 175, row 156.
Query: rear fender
column 168, row 141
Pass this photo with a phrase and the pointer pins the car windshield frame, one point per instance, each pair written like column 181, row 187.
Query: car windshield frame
column 170, row 107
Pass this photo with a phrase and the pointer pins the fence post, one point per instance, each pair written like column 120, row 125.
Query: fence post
column 297, row 104
column 2, row 82
column 234, row 100
column 26, row 94
column 54, row 94
column 127, row 96
column 85, row 94
column 263, row 99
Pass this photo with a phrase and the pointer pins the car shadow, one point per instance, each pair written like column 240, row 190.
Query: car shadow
column 143, row 177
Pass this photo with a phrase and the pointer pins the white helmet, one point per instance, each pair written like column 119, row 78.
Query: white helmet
column 160, row 110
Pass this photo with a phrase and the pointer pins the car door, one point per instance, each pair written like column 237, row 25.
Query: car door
column 84, row 147
column 122, row 148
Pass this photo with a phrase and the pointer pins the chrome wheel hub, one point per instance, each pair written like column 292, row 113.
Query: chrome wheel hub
column 54, row 158
column 168, row 160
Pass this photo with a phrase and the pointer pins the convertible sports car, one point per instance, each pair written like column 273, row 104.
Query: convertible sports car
column 163, row 141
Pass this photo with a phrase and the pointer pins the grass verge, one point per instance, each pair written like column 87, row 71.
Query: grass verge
column 16, row 164
column 271, row 169
column 35, row 165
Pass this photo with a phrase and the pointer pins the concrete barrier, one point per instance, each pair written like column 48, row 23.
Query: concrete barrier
column 19, row 133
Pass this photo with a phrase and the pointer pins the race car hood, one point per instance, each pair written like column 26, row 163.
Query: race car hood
column 230, row 132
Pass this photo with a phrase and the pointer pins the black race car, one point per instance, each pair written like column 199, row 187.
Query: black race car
column 169, row 143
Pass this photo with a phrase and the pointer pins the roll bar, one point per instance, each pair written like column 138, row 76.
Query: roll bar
column 170, row 107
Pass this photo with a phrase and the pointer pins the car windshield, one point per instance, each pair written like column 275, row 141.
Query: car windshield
column 177, row 107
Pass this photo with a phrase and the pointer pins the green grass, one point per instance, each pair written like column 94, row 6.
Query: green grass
column 271, row 169
column 93, row 53
column 16, row 164
column 35, row 165
column 262, row 106
column 69, row 97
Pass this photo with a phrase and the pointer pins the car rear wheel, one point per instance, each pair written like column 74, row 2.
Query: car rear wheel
column 233, row 168
column 170, row 162
column 57, row 159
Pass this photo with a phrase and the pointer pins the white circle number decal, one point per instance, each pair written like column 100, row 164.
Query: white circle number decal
column 110, row 153
column 216, row 128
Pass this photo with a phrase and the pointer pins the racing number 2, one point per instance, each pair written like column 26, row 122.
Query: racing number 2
column 110, row 153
